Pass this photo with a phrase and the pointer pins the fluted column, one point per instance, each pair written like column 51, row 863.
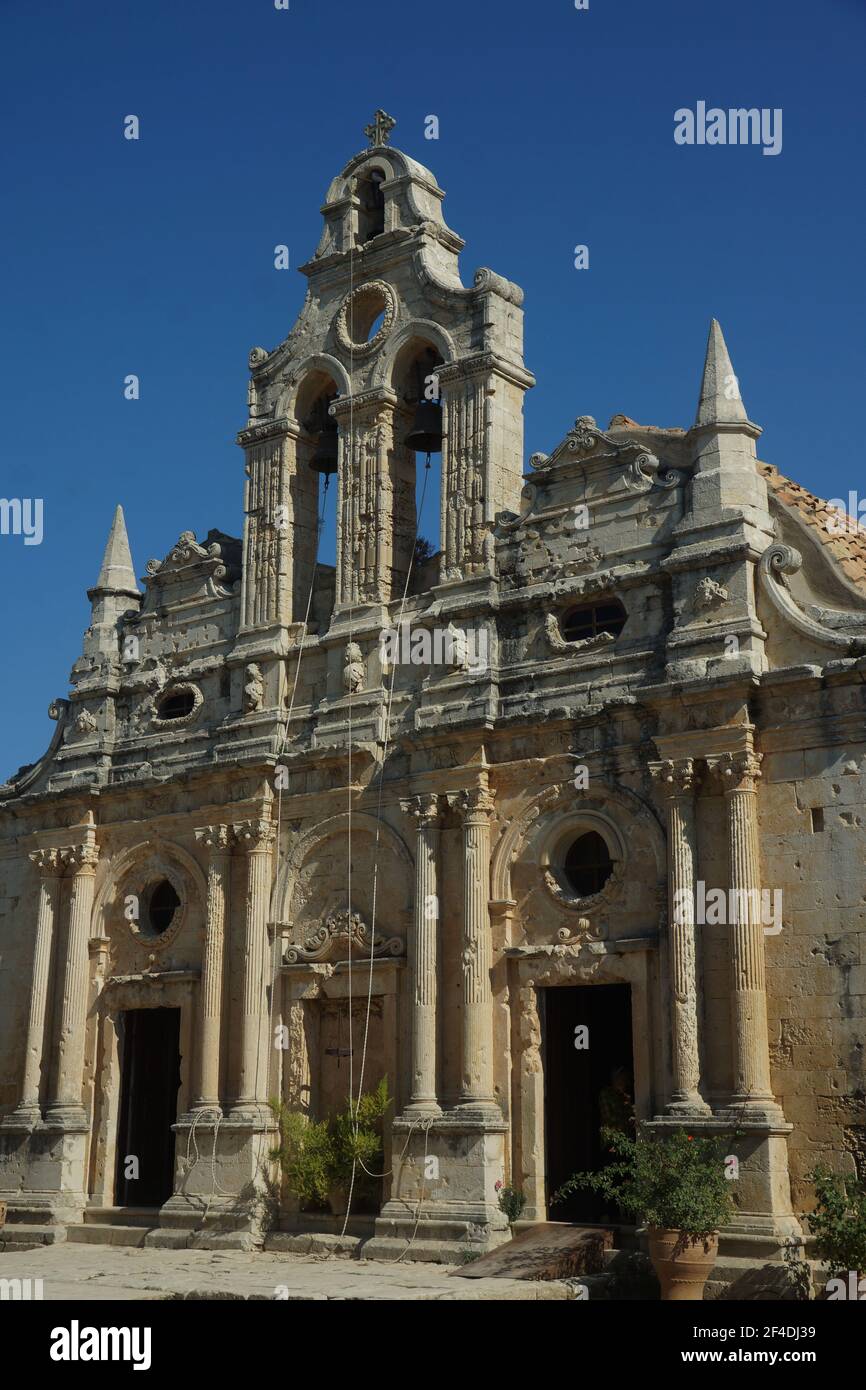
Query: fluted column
column 65, row 1108
column 50, row 868
column 424, row 954
column 257, row 840
column 739, row 773
column 677, row 779
column 216, row 837
column 475, row 807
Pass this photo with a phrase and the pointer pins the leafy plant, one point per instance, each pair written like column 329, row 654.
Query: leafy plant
column 839, row 1221
column 305, row 1154
column 357, row 1137
column 673, row 1181
column 317, row 1156
column 797, row 1271
column 511, row 1202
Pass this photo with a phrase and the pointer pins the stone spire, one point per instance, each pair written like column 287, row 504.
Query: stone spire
column 720, row 402
column 116, row 575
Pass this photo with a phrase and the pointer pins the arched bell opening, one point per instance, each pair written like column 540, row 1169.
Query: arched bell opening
column 314, row 537
column 371, row 204
column 416, row 466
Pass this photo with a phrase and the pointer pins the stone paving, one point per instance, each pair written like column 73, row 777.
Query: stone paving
column 93, row 1272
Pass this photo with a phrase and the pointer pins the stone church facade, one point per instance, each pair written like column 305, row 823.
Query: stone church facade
column 259, row 859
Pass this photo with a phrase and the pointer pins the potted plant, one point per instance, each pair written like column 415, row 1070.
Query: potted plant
column 676, row 1185
column 838, row 1224
column 317, row 1158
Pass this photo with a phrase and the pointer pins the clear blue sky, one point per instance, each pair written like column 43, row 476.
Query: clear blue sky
column 556, row 128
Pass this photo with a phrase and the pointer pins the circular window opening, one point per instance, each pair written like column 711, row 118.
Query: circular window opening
column 162, row 905
column 176, row 705
column 366, row 315
column 587, row 865
column 592, row 619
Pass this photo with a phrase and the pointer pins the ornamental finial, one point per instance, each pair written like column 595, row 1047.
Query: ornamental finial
column 378, row 132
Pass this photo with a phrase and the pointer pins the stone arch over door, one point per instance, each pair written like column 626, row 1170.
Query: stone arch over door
column 562, row 966
column 131, row 970
column 313, row 921
column 556, row 938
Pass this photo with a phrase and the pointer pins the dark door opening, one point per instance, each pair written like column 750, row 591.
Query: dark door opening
column 574, row 1080
column 150, row 1053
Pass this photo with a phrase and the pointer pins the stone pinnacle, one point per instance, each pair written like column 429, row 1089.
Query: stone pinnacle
column 116, row 574
column 720, row 402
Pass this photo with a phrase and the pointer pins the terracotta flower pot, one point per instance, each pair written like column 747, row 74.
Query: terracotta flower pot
column 682, row 1263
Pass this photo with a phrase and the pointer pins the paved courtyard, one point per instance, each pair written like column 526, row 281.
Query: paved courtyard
column 94, row 1272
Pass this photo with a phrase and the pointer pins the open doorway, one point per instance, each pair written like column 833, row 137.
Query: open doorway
column 588, row 1081
column 150, row 1077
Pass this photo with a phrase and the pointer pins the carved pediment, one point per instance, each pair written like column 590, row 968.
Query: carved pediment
column 640, row 469
column 207, row 564
column 332, row 941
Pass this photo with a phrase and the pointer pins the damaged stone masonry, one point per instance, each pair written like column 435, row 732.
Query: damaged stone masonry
column 699, row 647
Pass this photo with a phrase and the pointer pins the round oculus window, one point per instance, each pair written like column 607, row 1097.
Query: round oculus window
column 587, row 865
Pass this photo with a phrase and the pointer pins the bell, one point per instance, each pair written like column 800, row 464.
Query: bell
column 425, row 436
column 324, row 460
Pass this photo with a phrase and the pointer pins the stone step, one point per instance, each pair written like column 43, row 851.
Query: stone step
column 122, row 1216
column 108, row 1234
column 315, row 1243
column 24, row 1236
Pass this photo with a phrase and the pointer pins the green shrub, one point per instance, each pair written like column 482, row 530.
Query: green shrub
column 673, row 1181
column 317, row 1156
column 511, row 1201
column 839, row 1222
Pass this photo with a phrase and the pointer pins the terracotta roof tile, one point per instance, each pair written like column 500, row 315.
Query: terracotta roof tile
column 847, row 548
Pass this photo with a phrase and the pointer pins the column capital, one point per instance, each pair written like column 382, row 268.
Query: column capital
column 47, row 861
column 81, row 859
column 254, row 836
column 676, row 776
column 217, row 838
column 424, row 809
column 738, row 771
column 473, row 804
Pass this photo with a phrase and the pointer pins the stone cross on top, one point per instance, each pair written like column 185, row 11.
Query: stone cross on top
column 379, row 130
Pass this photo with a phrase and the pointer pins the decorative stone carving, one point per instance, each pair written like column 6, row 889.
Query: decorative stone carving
column 257, row 356
column 324, row 942
column 828, row 627
column 739, row 770
column 553, row 633
column 353, row 671
column 379, row 296
column 177, row 687
column 85, row 723
column 677, row 778
column 582, row 438
column 254, row 688
column 379, row 131
column 709, row 594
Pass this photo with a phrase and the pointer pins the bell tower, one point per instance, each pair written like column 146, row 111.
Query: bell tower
column 387, row 326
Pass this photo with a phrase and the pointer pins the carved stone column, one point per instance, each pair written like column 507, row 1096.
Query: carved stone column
column 475, row 807
column 677, row 778
column 65, row 1108
column 375, row 517
column 206, row 1092
column 47, row 861
column 424, row 954
column 751, row 1053
column 257, row 840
